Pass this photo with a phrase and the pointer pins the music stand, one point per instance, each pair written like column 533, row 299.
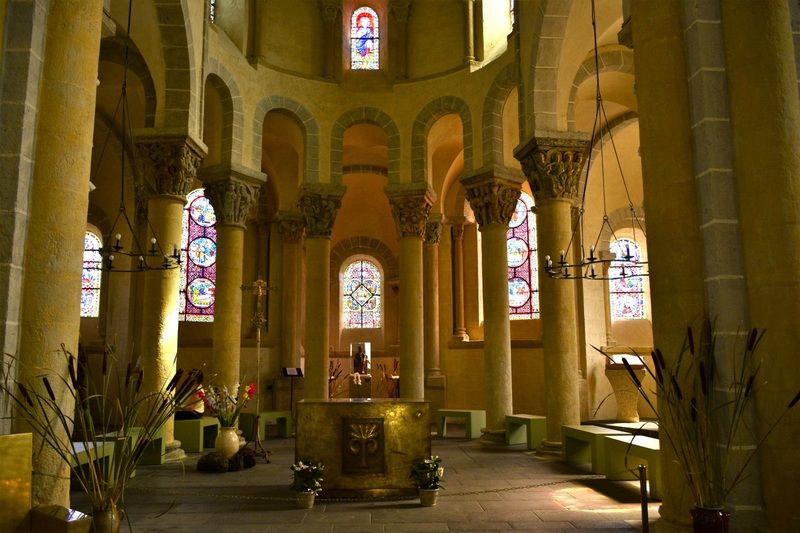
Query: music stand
column 292, row 373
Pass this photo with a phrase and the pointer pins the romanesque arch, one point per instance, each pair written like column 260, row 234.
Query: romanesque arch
column 360, row 115
column 492, row 121
column 425, row 119
column 233, row 116
column 304, row 118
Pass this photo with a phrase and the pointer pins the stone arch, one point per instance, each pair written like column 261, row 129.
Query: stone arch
column 179, row 67
column 367, row 246
column 306, row 121
column 112, row 50
column 543, row 96
column 492, row 126
column 615, row 60
column 224, row 82
column 360, row 115
column 422, row 124
column 615, row 125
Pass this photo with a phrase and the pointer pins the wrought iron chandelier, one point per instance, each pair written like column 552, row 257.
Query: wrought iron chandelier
column 112, row 248
column 600, row 264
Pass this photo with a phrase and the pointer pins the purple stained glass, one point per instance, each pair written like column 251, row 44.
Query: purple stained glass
column 361, row 295
column 198, row 259
column 523, row 280
column 627, row 291
column 91, row 276
column 364, row 39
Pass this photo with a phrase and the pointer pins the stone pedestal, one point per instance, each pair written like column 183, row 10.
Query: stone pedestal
column 625, row 391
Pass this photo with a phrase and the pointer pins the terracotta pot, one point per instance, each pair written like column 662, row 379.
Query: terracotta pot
column 305, row 500
column 106, row 520
column 227, row 442
column 428, row 497
column 706, row 520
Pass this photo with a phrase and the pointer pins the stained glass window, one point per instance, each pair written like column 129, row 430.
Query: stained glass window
column 523, row 266
column 91, row 276
column 361, row 295
column 627, row 292
column 198, row 259
column 212, row 10
column 364, row 39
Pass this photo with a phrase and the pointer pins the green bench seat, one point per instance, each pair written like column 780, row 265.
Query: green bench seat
column 474, row 420
column 585, row 444
column 625, row 452
column 526, row 429
column 283, row 419
column 197, row 434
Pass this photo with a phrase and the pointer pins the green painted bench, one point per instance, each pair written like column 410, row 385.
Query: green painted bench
column 474, row 421
column 283, row 419
column 526, row 429
column 197, row 434
column 585, row 444
column 625, row 452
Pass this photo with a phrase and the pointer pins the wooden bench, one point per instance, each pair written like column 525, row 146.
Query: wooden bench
column 625, row 452
column 529, row 429
column 197, row 433
column 585, row 444
column 474, row 421
column 282, row 418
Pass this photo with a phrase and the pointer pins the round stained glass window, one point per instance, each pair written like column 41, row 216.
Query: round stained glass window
column 517, row 250
column 200, row 293
column 203, row 252
column 518, row 292
column 520, row 214
column 202, row 212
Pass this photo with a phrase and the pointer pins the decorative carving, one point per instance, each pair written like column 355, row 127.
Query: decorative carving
column 458, row 229
column 363, row 446
column 140, row 194
column 433, row 232
column 553, row 166
column 169, row 165
column 329, row 10
column 232, row 200
column 398, row 11
column 410, row 212
column 290, row 227
column 319, row 212
column 492, row 200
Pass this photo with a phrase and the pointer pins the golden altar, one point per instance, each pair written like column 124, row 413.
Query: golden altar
column 366, row 445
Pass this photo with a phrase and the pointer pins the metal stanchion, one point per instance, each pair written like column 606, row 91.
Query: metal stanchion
column 643, row 496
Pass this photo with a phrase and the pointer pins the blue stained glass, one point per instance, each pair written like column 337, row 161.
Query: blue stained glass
column 523, row 268
column 364, row 39
column 91, row 277
column 199, row 259
column 626, row 293
column 361, row 295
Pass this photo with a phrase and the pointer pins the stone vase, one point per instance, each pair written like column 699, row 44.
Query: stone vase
column 107, row 520
column 227, row 442
column 305, row 500
column 705, row 520
column 428, row 497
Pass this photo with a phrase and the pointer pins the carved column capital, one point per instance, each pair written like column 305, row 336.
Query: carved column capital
column 553, row 162
column 319, row 204
column 169, row 163
column 232, row 200
column 492, row 198
column 290, row 227
column 458, row 227
column 329, row 9
column 398, row 10
column 410, row 208
column 433, row 232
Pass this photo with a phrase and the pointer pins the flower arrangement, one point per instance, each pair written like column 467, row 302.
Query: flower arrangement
column 427, row 473
column 702, row 415
column 226, row 405
column 307, row 476
column 120, row 426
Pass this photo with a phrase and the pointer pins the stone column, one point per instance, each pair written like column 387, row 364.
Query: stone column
column 318, row 204
column 459, row 329
column 232, row 193
column 410, row 208
column 50, row 308
column 552, row 162
column 430, row 294
column 469, row 30
column 493, row 199
column 760, row 65
column 398, row 14
column 290, row 227
column 331, row 12
column 169, row 166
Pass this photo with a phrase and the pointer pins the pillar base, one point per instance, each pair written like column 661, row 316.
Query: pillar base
column 493, row 437
column 173, row 452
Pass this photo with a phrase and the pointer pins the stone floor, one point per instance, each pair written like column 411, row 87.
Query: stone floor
column 484, row 490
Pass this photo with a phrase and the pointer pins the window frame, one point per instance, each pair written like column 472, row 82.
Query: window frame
column 346, row 264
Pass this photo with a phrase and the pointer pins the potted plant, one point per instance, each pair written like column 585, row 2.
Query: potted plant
column 702, row 416
column 226, row 406
column 111, row 433
column 307, row 481
column 427, row 475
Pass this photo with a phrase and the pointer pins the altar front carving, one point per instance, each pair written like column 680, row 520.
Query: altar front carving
column 367, row 446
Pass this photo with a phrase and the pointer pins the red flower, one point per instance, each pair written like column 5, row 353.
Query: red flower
column 201, row 394
column 251, row 390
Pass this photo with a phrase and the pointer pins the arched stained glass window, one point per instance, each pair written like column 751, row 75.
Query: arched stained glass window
column 523, row 266
column 626, row 293
column 361, row 295
column 198, row 259
column 91, row 276
column 364, row 39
